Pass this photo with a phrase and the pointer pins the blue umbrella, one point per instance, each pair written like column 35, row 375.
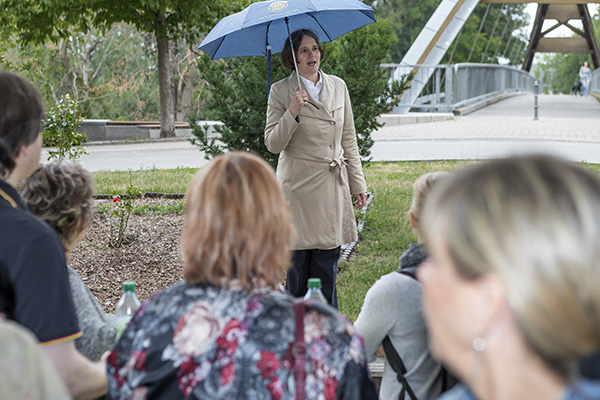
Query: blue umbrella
column 262, row 28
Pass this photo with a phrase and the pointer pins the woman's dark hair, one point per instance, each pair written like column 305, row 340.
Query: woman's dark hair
column 286, row 55
column 21, row 113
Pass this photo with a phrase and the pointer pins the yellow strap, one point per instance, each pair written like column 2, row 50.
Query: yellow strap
column 8, row 198
column 62, row 340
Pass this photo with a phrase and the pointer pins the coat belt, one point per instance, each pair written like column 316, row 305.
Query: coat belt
column 337, row 165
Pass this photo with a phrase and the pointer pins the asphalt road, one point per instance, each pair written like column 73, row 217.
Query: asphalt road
column 568, row 126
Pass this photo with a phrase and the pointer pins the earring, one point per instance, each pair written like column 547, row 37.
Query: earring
column 478, row 344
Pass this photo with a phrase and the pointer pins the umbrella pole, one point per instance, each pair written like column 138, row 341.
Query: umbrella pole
column 268, row 71
column 293, row 51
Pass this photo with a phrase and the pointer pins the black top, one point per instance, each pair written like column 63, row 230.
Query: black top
column 34, row 257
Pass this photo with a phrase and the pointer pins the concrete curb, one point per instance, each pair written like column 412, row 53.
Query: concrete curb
column 137, row 141
column 412, row 118
column 484, row 103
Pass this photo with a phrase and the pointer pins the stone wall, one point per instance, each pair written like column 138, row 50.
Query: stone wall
column 100, row 130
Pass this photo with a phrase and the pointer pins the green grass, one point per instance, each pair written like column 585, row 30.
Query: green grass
column 147, row 209
column 150, row 180
column 387, row 233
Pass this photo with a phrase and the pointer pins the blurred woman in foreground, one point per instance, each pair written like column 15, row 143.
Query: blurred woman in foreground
column 510, row 292
column 226, row 332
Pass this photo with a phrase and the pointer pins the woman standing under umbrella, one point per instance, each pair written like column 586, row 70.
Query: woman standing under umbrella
column 312, row 128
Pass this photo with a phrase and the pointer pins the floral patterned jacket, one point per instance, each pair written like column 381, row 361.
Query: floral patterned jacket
column 205, row 342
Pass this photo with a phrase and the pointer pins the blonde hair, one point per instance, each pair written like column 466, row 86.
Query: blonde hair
column 61, row 193
column 238, row 225
column 421, row 188
column 534, row 221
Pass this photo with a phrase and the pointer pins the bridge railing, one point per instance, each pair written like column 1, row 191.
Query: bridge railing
column 445, row 88
column 595, row 83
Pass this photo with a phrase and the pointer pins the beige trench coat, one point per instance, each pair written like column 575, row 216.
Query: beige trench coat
column 319, row 164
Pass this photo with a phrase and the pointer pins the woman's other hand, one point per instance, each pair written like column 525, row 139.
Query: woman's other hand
column 361, row 200
column 300, row 100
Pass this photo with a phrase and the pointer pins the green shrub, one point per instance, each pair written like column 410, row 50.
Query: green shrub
column 60, row 130
column 119, row 217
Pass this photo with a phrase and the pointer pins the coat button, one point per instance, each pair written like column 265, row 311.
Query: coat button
column 331, row 146
column 331, row 122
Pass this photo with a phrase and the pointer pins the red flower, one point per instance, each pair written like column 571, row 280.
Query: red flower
column 276, row 389
column 112, row 359
column 140, row 360
column 228, row 341
column 268, row 364
column 227, row 374
column 187, row 377
column 331, row 385
column 188, row 366
column 116, row 198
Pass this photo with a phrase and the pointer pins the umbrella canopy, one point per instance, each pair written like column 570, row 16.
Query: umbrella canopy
column 260, row 25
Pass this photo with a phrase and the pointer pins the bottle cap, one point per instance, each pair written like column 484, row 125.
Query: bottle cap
column 129, row 286
column 314, row 283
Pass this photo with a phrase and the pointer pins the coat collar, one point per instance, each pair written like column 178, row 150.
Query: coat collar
column 327, row 102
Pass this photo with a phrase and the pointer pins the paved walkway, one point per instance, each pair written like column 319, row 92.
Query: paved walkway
column 568, row 126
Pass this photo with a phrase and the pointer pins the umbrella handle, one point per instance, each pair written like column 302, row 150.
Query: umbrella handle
column 293, row 52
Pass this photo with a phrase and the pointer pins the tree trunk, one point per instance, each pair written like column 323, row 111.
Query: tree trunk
column 187, row 86
column 167, row 106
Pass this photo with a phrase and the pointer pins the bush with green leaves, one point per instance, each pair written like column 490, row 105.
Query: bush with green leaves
column 238, row 92
column 60, row 130
column 119, row 216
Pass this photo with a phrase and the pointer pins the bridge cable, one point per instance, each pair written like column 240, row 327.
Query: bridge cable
column 443, row 81
column 516, row 44
column 487, row 9
column 455, row 45
column 519, row 54
column 487, row 46
column 508, row 13
column 508, row 43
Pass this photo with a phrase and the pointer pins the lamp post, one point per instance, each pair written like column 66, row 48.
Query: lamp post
column 536, row 89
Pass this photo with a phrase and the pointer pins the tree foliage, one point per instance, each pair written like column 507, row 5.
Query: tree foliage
column 60, row 131
column 111, row 75
column 35, row 21
column 238, row 92
column 237, row 98
column 408, row 17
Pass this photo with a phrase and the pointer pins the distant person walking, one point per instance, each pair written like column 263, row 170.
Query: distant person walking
column 585, row 76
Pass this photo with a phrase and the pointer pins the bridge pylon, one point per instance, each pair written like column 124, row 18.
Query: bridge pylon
column 563, row 12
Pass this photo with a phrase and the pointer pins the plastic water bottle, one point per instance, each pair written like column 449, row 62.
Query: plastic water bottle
column 126, row 307
column 314, row 290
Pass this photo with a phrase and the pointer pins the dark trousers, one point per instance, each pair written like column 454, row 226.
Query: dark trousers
column 314, row 263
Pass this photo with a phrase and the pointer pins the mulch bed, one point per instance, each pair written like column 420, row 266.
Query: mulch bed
column 150, row 255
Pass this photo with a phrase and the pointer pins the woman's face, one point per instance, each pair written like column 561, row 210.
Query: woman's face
column 586, row 64
column 308, row 57
column 451, row 305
